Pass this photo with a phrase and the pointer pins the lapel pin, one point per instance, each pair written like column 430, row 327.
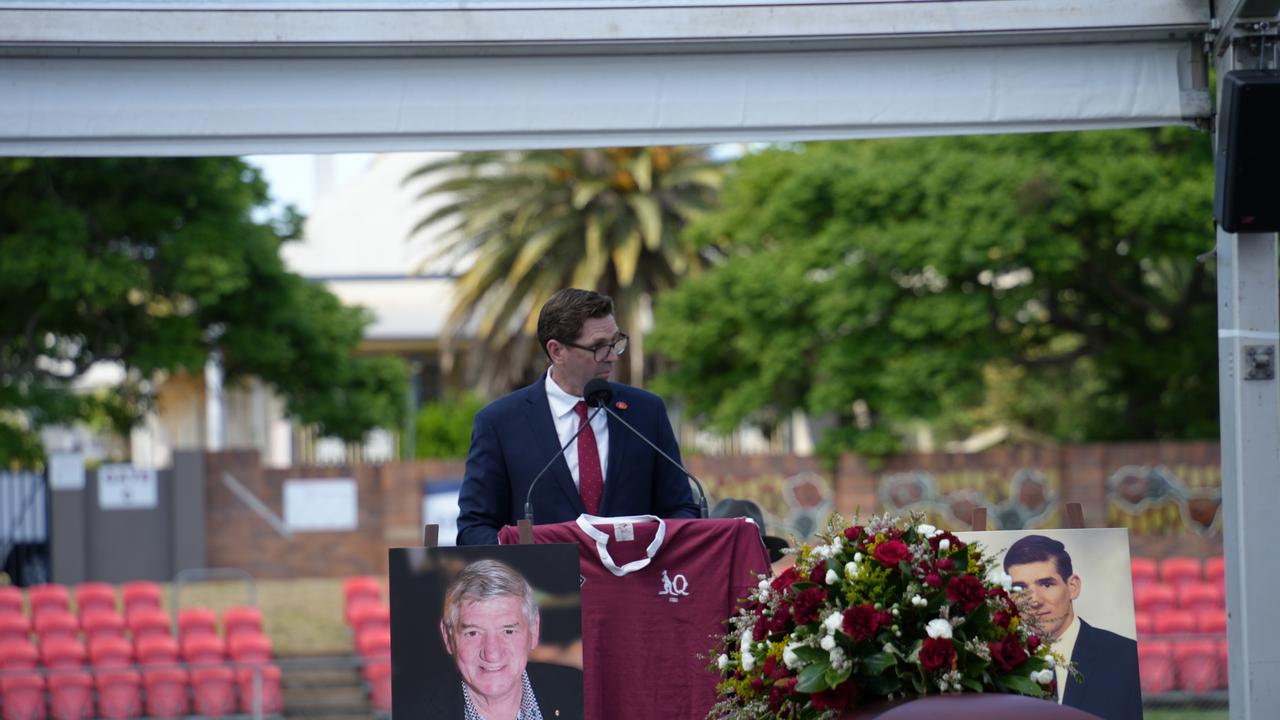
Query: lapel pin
column 620, row 405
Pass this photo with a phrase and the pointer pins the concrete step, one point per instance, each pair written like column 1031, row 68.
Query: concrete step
column 324, row 687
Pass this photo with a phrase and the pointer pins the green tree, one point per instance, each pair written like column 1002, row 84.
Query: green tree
column 155, row 263
column 1050, row 281
column 444, row 428
column 525, row 224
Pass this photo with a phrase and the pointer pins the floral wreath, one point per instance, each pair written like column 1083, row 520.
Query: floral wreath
column 892, row 609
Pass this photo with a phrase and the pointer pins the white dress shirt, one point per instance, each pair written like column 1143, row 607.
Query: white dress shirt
column 1064, row 646
column 566, row 421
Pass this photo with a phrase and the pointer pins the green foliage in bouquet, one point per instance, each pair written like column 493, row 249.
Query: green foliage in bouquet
column 891, row 609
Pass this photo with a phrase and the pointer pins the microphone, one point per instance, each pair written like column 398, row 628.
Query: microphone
column 528, row 498
column 599, row 393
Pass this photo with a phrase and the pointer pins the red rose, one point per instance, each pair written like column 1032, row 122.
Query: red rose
column 1007, row 654
column 945, row 564
column 852, row 533
column 837, row 698
column 780, row 692
column 1033, row 642
column 862, row 621
column 956, row 543
column 785, row 580
column 967, row 592
column 819, row 573
column 933, row 579
column 806, row 605
column 892, row 552
column 937, row 654
column 1001, row 619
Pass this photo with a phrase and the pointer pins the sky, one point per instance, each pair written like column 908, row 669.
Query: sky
column 293, row 178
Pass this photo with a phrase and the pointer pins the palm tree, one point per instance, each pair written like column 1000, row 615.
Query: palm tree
column 522, row 225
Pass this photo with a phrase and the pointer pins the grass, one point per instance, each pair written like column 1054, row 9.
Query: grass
column 1184, row 714
column 302, row 617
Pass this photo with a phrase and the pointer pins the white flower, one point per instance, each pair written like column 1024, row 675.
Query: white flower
column 763, row 584
column 789, row 657
column 895, row 612
column 1044, row 677
column 927, row 530
column 851, row 569
column 832, row 577
column 857, row 557
column 827, row 642
column 748, row 662
column 837, row 543
column 938, row 628
column 997, row 576
column 944, row 545
column 833, row 622
column 722, row 662
column 918, row 601
column 837, row 656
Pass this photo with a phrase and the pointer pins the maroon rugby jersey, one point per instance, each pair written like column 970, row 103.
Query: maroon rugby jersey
column 655, row 594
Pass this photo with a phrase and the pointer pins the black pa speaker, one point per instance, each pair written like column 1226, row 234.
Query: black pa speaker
column 1247, row 161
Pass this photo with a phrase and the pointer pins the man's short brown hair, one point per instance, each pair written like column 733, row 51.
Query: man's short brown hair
column 565, row 313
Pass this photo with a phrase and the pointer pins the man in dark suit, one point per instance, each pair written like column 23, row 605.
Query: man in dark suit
column 1108, row 684
column 605, row 471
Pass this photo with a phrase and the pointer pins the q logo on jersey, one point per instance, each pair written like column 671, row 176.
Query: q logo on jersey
column 674, row 587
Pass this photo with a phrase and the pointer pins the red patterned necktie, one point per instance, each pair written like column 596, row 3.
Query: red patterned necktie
column 590, row 480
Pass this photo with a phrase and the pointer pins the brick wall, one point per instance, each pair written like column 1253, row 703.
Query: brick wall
column 1166, row 493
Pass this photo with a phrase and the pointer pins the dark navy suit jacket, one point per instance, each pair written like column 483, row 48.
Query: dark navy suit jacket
column 515, row 436
column 1108, row 665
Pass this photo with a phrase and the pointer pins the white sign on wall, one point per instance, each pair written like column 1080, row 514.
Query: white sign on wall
column 440, row 507
column 320, row 505
column 125, row 487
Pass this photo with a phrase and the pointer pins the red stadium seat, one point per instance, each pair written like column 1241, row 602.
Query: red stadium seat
column 119, row 694
column 379, row 677
column 1174, row 622
column 1153, row 598
column 94, row 596
column 14, row 626
column 140, row 594
column 370, row 617
column 1200, row 596
column 357, row 606
column 110, row 652
column 44, row 597
column 249, row 649
column 148, row 622
column 157, row 650
column 166, row 692
column 53, row 623
column 22, row 697
column 1143, row 570
column 1177, row 570
column 10, row 600
column 197, row 621
column 1212, row 621
column 1197, row 665
column 1145, row 623
column 62, row 653
column 100, row 623
column 1155, row 666
column 272, row 694
column 71, row 695
column 374, row 643
column 18, row 655
column 236, row 620
column 203, row 650
column 1215, row 569
column 214, row 691
column 361, row 587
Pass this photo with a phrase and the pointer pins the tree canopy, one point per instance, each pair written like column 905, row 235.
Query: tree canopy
column 154, row 263
column 1051, row 281
column 526, row 224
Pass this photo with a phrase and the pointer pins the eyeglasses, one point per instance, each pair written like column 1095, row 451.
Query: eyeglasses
column 618, row 346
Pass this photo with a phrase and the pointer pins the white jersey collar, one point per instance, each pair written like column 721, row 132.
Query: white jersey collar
column 587, row 524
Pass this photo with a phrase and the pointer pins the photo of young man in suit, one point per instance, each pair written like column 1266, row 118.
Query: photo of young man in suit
column 1108, row 684
column 605, row 471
